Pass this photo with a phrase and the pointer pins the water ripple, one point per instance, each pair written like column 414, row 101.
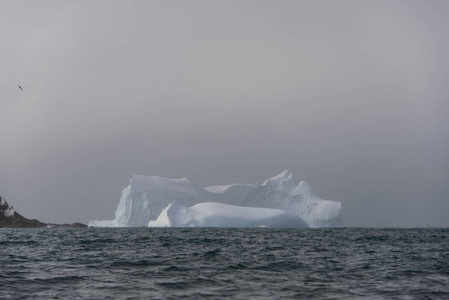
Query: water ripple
column 135, row 263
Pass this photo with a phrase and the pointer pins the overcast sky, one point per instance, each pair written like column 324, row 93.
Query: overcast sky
column 351, row 96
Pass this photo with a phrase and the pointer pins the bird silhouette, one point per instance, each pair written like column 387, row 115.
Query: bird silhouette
column 20, row 88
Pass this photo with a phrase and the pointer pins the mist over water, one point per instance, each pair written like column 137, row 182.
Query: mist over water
column 136, row 263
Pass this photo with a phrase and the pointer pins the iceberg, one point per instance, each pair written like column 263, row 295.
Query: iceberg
column 153, row 200
column 213, row 214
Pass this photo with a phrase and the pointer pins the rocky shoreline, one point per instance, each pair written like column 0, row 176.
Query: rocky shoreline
column 10, row 218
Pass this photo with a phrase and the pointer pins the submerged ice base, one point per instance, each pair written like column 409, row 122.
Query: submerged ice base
column 147, row 197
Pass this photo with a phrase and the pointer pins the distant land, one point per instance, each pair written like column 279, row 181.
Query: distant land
column 10, row 218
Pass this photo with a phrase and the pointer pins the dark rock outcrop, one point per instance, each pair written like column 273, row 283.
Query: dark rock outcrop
column 10, row 218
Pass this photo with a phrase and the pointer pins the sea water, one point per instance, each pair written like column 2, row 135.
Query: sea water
column 250, row 263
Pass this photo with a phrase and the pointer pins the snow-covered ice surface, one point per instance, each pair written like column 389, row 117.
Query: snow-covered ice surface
column 213, row 214
column 146, row 197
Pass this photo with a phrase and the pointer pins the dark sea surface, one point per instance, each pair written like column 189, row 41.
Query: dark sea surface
column 256, row 263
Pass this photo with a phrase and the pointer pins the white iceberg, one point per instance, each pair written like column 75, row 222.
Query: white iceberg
column 213, row 214
column 146, row 197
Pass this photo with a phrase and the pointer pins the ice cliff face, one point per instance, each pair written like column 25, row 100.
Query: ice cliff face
column 146, row 197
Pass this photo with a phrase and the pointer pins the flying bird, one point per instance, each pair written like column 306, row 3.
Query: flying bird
column 20, row 88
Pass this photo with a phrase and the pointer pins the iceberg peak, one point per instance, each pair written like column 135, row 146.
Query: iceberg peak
column 283, row 181
column 283, row 176
column 303, row 188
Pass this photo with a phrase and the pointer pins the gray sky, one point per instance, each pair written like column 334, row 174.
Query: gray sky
column 351, row 96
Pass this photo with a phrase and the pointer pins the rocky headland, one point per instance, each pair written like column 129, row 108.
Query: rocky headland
column 10, row 218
